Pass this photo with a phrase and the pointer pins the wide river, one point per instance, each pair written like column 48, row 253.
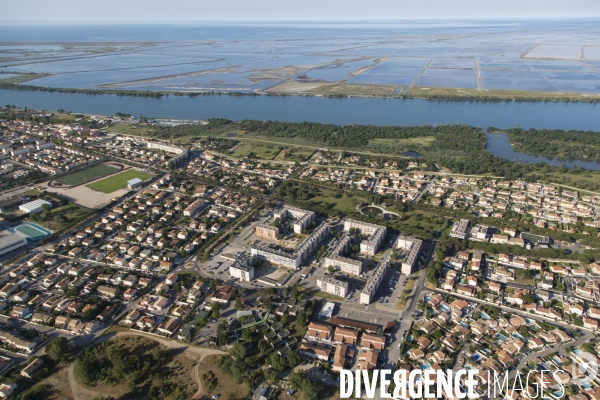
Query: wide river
column 343, row 111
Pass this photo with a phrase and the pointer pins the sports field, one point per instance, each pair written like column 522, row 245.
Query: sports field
column 79, row 177
column 118, row 181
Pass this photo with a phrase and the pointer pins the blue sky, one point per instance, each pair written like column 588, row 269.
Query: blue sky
column 284, row 10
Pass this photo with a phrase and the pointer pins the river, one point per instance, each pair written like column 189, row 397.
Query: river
column 340, row 111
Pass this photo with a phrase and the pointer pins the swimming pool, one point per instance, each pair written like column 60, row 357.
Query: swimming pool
column 476, row 357
column 484, row 316
column 31, row 231
column 425, row 366
column 501, row 337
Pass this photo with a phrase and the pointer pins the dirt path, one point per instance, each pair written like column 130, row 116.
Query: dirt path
column 82, row 393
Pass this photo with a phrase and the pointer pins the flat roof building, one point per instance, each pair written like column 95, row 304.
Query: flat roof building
column 460, row 229
column 376, row 234
column 34, row 206
column 413, row 245
column 336, row 258
column 134, row 183
column 242, row 268
column 10, row 242
column 333, row 286
column 368, row 292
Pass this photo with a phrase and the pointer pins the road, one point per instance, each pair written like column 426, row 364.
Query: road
column 524, row 314
column 405, row 316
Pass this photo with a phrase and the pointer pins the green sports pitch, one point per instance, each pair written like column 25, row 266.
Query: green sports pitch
column 79, row 177
column 118, row 181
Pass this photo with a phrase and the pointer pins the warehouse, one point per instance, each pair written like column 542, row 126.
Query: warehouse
column 34, row 206
column 11, row 242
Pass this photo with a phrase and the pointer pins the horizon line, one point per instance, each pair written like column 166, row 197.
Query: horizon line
column 371, row 20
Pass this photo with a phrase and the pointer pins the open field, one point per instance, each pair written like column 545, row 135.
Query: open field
column 343, row 204
column 21, row 78
column 337, row 88
column 425, row 92
column 294, row 154
column 350, row 89
column 129, row 129
column 86, row 175
column 117, row 182
column 423, row 141
column 256, row 151
column 72, row 213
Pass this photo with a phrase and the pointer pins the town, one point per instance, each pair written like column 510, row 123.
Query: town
column 282, row 271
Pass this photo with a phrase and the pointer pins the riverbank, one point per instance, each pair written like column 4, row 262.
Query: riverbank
column 414, row 92
column 338, row 111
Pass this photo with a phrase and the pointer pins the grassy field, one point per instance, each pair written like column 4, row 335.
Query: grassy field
column 22, row 78
column 354, row 89
column 262, row 152
column 72, row 212
column 343, row 204
column 129, row 129
column 423, row 141
column 118, row 181
column 294, row 154
column 79, row 177
column 507, row 94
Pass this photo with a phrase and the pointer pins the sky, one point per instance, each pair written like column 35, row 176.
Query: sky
column 290, row 10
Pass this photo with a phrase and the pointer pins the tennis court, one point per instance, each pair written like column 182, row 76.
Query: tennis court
column 79, row 177
column 31, row 231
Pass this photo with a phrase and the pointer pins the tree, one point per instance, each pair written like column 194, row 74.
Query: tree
column 57, row 347
column 59, row 219
column 247, row 335
column 238, row 304
column 277, row 362
column 331, row 269
column 292, row 359
column 263, row 346
column 270, row 375
column 294, row 291
column 301, row 319
column 239, row 351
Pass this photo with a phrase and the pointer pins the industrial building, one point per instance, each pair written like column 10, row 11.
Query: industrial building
column 134, row 183
column 34, row 206
column 10, row 242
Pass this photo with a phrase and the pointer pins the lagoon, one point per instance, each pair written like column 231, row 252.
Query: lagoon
column 498, row 144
